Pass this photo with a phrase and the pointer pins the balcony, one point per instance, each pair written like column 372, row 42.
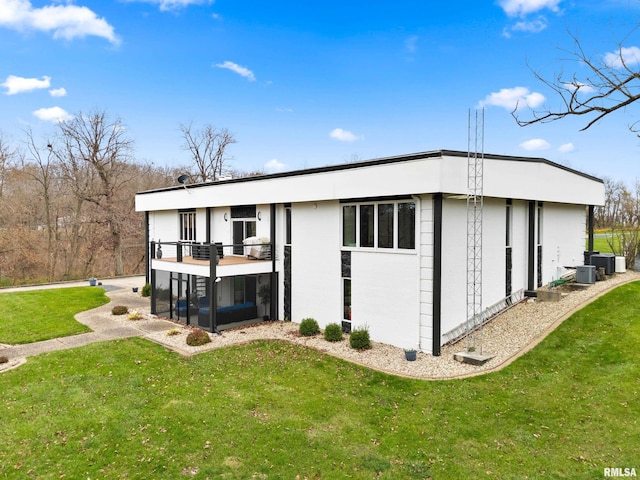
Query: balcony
column 251, row 257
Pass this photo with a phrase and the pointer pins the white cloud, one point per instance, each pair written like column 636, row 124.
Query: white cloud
column 521, row 8
column 535, row 144
column 532, row 26
column 582, row 87
column 343, row 135
column 53, row 114
column 274, row 165
column 566, row 147
column 166, row 5
column 63, row 21
column 411, row 43
column 58, row 92
column 16, row 85
column 240, row 70
column 284, row 109
column 625, row 56
column 512, row 98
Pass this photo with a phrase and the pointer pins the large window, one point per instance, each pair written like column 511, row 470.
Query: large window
column 367, row 225
column 407, row 225
column 385, row 225
column 188, row 226
column 349, row 226
column 388, row 225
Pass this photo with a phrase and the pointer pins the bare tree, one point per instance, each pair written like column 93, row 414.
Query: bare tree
column 98, row 142
column 208, row 148
column 45, row 173
column 610, row 84
column 6, row 157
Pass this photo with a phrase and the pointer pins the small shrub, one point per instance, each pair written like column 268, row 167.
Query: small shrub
column 333, row 332
column 197, row 337
column 119, row 310
column 146, row 290
column 135, row 316
column 359, row 339
column 173, row 332
column 4, row 359
column 309, row 327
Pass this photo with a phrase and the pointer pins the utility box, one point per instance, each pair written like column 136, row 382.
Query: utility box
column 607, row 261
column 586, row 274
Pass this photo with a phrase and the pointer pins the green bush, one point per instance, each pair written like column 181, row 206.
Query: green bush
column 197, row 337
column 309, row 327
column 359, row 339
column 146, row 290
column 119, row 310
column 333, row 332
column 4, row 359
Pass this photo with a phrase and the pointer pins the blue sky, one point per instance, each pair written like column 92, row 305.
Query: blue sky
column 304, row 84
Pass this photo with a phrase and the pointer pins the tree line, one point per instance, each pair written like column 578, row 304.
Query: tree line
column 67, row 201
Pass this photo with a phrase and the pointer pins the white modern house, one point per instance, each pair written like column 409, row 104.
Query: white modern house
column 379, row 243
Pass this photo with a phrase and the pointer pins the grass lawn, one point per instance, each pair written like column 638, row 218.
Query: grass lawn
column 272, row 410
column 601, row 244
column 36, row 315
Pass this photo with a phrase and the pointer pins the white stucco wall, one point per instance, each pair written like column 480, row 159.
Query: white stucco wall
column 315, row 268
column 519, row 250
column 454, row 258
column 563, row 239
column 454, row 263
column 385, row 296
column 164, row 226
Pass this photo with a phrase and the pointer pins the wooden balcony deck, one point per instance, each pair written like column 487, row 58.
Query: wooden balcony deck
column 225, row 261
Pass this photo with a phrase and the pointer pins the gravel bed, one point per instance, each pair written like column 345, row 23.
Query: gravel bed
column 508, row 336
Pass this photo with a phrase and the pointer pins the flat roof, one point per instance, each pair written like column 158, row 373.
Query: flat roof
column 439, row 171
column 372, row 162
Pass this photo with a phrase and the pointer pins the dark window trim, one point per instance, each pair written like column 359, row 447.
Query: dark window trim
column 389, row 198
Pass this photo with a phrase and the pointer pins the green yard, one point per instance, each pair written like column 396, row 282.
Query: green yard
column 272, row 410
column 37, row 315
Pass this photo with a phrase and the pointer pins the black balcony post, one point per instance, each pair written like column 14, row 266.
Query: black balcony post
column 179, row 251
column 213, row 299
column 273, row 313
column 147, row 256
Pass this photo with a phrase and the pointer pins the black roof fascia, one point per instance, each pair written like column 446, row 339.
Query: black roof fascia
column 370, row 163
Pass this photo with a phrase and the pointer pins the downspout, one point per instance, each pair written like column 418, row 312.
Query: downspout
column 418, row 201
column 591, row 221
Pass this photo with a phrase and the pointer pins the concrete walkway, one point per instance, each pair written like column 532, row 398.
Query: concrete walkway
column 104, row 325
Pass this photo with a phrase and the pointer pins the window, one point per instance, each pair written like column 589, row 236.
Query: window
column 508, row 222
column 243, row 211
column 366, row 225
column 349, row 226
column 346, row 294
column 407, row 225
column 385, row 225
column 188, row 226
column 242, row 229
column 380, row 225
column 539, row 223
column 287, row 225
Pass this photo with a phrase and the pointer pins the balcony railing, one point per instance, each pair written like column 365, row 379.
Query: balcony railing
column 256, row 249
